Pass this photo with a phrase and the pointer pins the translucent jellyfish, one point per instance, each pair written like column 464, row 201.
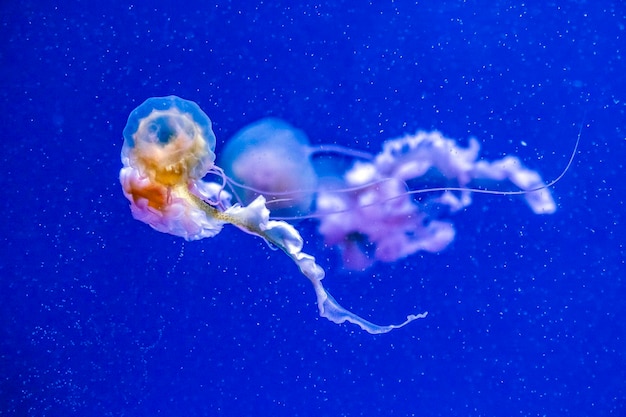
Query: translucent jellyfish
column 273, row 159
column 368, row 209
column 168, row 148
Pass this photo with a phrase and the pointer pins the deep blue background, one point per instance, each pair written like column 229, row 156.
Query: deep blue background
column 100, row 315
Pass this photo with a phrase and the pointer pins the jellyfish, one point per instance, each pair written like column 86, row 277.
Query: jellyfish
column 368, row 210
column 274, row 159
column 169, row 146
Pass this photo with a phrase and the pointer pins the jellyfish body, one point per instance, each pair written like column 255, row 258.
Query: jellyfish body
column 168, row 148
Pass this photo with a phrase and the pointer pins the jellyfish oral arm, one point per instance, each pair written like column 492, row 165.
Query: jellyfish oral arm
column 254, row 219
column 330, row 309
column 167, row 210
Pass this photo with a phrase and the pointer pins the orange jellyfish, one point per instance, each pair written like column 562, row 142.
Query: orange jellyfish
column 168, row 148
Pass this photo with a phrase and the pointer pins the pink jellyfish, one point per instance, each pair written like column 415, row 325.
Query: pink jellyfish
column 381, row 212
column 368, row 210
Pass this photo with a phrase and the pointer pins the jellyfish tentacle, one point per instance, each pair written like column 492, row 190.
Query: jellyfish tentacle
column 340, row 150
column 220, row 197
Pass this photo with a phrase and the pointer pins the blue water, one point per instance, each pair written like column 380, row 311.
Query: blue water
column 102, row 316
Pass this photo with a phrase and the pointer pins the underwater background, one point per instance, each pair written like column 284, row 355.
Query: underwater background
column 101, row 315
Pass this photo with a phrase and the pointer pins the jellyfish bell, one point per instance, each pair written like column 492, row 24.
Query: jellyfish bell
column 271, row 158
column 169, row 139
